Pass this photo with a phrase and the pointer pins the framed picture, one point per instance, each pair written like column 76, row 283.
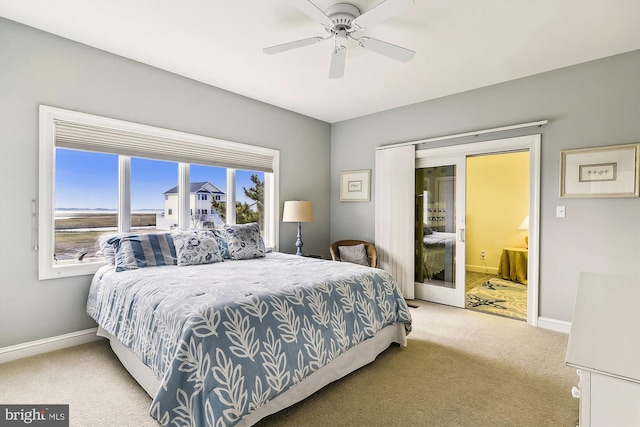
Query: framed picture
column 355, row 186
column 611, row 171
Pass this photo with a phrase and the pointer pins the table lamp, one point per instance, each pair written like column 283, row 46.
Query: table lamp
column 297, row 211
column 524, row 225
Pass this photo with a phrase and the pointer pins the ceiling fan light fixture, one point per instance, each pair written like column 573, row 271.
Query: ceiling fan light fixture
column 341, row 20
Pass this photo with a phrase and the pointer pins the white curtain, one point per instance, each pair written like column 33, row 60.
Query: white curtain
column 394, row 214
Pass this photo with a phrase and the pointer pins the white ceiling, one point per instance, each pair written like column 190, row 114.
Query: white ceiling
column 460, row 45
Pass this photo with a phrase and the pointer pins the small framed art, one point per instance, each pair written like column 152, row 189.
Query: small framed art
column 611, row 171
column 355, row 186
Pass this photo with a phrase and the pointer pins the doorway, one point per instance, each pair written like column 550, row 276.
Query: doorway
column 444, row 188
column 497, row 205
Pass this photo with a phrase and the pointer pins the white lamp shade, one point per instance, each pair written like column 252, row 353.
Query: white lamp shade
column 525, row 223
column 297, row 211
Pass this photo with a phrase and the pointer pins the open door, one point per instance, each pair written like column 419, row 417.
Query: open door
column 440, row 230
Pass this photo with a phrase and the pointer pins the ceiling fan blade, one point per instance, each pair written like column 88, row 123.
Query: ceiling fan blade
column 291, row 45
column 387, row 49
column 314, row 12
column 338, row 59
column 381, row 12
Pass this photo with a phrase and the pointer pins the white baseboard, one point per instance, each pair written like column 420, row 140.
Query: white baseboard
column 554, row 325
column 482, row 269
column 46, row 345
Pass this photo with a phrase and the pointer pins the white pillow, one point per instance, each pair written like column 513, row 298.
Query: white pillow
column 355, row 254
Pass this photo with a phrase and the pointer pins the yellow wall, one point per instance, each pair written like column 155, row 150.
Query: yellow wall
column 497, row 202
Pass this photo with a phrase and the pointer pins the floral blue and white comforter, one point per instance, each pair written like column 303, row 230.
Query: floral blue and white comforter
column 226, row 338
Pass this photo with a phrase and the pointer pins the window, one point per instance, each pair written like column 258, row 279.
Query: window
column 245, row 201
column 137, row 177
column 150, row 180
column 250, row 197
column 84, row 181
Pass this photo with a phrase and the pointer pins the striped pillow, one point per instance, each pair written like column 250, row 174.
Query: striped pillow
column 143, row 250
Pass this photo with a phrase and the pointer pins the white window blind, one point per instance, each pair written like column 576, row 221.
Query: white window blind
column 174, row 146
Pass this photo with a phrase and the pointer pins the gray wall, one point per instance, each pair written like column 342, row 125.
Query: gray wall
column 39, row 68
column 591, row 104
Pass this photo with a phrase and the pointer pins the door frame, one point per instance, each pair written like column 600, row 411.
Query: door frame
column 529, row 143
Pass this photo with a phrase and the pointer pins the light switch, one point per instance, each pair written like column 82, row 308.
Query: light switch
column 560, row 212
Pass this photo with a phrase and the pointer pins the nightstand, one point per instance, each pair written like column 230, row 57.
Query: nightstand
column 514, row 264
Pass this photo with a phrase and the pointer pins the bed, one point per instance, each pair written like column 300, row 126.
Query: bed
column 437, row 253
column 228, row 343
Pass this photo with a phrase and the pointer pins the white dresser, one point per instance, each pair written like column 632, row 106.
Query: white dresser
column 604, row 345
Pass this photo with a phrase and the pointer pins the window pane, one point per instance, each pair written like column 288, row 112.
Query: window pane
column 208, row 198
column 86, row 198
column 154, row 195
column 250, row 197
column 100, row 216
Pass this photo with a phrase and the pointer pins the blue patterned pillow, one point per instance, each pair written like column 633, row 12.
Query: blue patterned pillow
column 196, row 247
column 245, row 241
column 221, row 240
column 134, row 251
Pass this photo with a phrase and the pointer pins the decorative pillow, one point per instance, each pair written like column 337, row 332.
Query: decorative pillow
column 108, row 249
column 134, row 251
column 196, row 247
column 245, row 241
column 427, row 230
column 221, row 240
column 355, row 254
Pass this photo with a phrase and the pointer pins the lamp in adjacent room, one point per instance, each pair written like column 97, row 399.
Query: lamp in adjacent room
column 297, row 211
column 524, row 225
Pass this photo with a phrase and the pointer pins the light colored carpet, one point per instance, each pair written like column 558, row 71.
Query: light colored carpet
column 499, row 296
column 460, row 368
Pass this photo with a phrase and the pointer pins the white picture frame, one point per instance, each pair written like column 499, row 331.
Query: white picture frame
column 355, row 186
column 610, row 171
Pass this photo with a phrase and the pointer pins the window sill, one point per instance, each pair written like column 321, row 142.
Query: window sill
column 69, row 270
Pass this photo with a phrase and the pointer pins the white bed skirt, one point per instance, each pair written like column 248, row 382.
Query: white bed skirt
column 354, row 358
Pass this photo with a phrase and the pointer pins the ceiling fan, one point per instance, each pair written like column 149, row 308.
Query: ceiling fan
column 341, row 21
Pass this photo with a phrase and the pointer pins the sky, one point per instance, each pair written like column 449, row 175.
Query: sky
column 86, row 180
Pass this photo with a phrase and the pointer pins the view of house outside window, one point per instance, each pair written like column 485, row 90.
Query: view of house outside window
column 86, row 199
